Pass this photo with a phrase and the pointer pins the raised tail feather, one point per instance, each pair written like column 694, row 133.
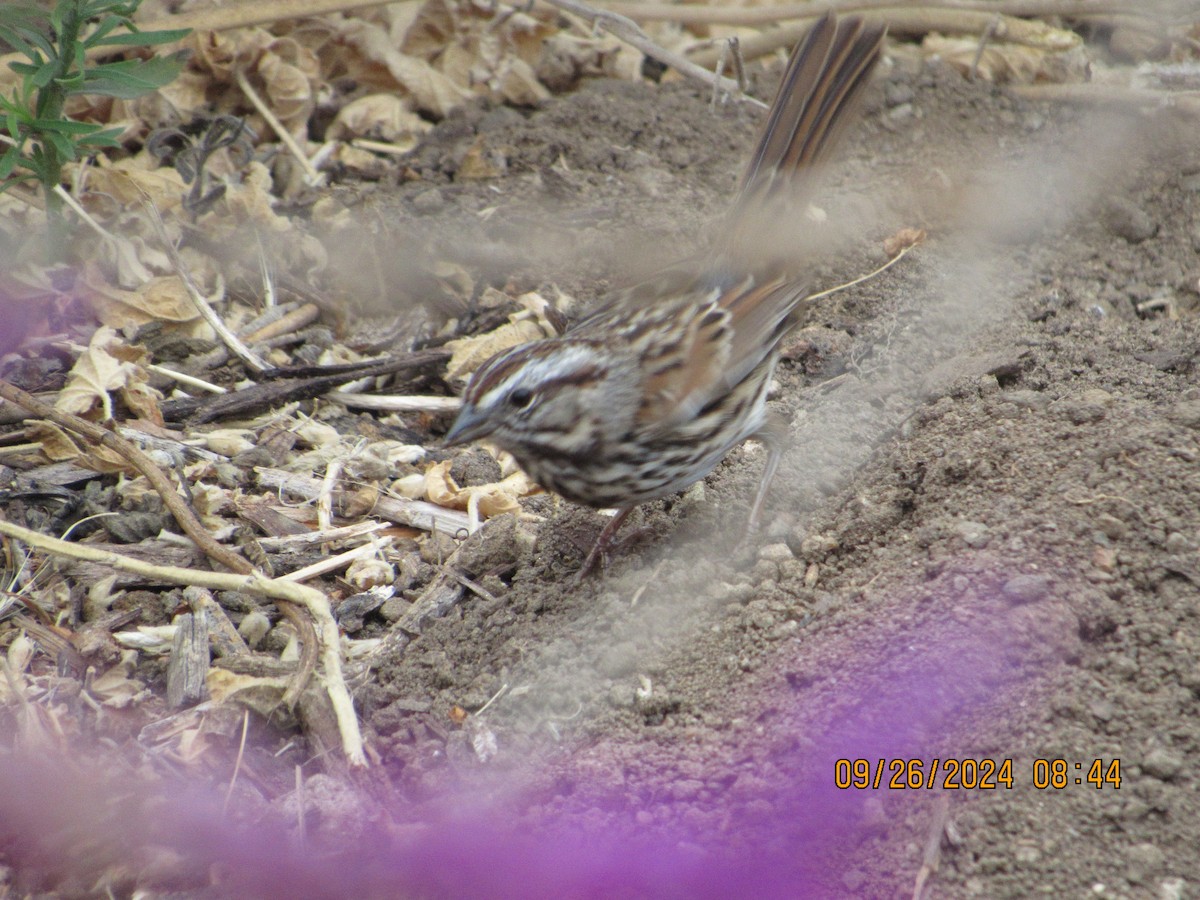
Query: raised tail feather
column 821, row 88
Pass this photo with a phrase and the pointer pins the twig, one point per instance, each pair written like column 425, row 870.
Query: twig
column 381, row 147
column 988, row 33
column 1111, row 97
column 416, row 513
column 931, row 858
column 237, row 763
column 312, row 176
column 624, row 28
column 330, row 536
column 189, row 380
column 288, row 323
column 333, row 472
column 849, row 284
column 496, row 696
column 394, row 403
column 333, row 563
column 122, row 246
column 475, row 588
column 252, row 582
column 240, row 350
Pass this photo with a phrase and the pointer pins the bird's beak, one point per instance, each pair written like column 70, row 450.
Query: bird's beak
column 469, row 426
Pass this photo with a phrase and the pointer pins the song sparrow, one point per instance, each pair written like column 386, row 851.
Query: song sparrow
column 648, row 393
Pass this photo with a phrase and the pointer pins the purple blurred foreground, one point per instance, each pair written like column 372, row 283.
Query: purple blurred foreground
column 67, row 818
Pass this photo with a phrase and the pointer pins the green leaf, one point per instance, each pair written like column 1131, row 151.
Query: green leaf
column 11, row 37
column 9, row 161
column 64, row 126
column 13, row 120
column 39, row 40
column 62, row 145
column 104, row 27
column 130, row 78
column 105, row 138
column 45, row 74
column 71, row 84
column 25, row 68
column 14, row 180
column 142, row 38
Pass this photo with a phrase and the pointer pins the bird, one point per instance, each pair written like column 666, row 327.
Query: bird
column 649, row 392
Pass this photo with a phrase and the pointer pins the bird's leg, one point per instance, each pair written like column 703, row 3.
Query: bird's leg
column 773, row 436
column 599, row 554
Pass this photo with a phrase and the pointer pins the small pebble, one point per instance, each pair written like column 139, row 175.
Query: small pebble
column 1026, row 588
column 973, row 534
column 1112, row 527
column 776, row 553
column 1185, row 413
column 428, row 201
column 1129, row 221
column 896, row 93
column 1162, row 764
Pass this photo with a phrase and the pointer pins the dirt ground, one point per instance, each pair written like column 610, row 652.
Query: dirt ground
column 984, row 547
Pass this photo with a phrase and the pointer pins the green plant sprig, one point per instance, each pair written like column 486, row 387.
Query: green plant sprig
column 56, row 42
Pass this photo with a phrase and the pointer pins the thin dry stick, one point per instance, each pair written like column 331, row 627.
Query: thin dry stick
column 931, row 858
column 188, row 380
column 312, row 176
column 288, row 323
column 988, row 33
column 333, row 535
column 1108, row 96
column 624, row 28
column 333, row 563
column 237, row 763
column 396, row 403
column 333, row 472
column 860, row 279
column 253, row 582
column 240, row 350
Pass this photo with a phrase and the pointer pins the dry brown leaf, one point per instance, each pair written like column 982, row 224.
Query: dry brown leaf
column 260, row 695
column 518, row 84
column 469, row 353
column 132, row 183
column 487, row 499
column 430, row 90
column 115, row 688
column 380, row 117
column 96, row 373
column 251, row 201
column 58, row 446
column 162, row 299
column 221, row 53
column 291, row 74
column 142, row 400
column 530, row 324
column 902, row 240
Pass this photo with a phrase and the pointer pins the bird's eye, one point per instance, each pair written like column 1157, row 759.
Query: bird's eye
column 520, row 398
